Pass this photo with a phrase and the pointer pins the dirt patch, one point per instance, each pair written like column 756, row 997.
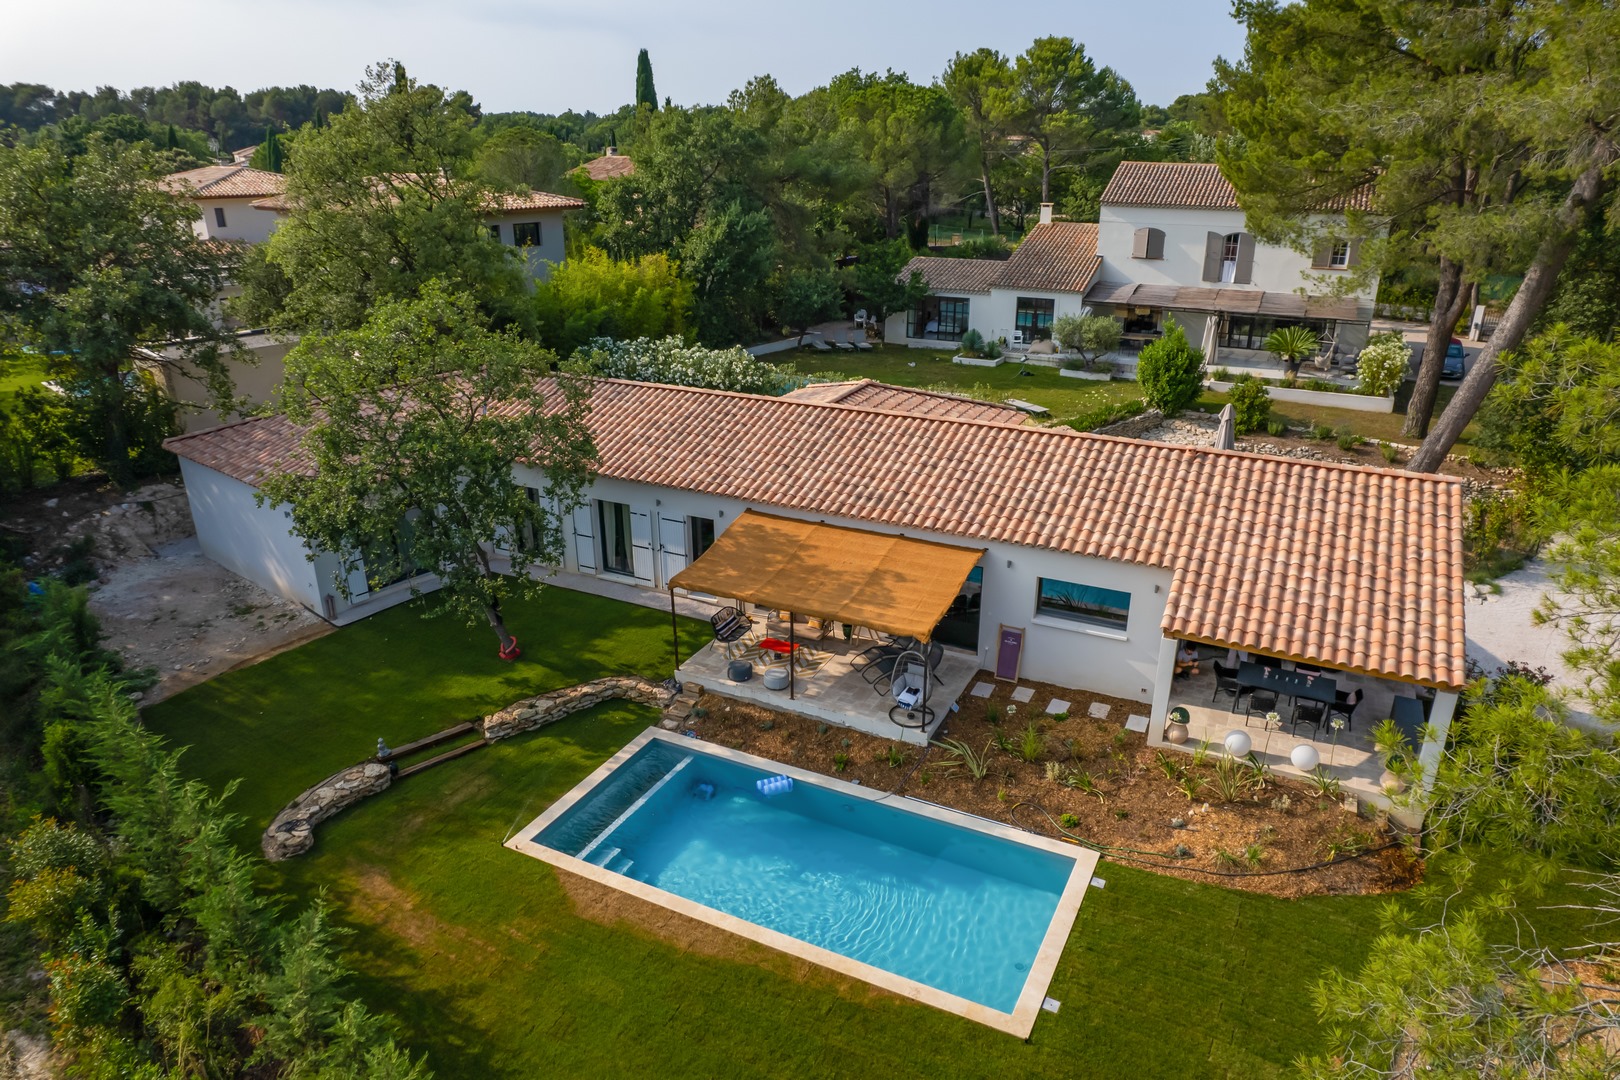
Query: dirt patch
column 1093, row 780
column 385, row 904
column 161, row 602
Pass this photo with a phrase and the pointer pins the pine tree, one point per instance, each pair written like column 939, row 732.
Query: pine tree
column 645, row 94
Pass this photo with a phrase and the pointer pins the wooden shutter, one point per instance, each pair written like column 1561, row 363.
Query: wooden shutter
column 1155, row 244
column 1245, row 260
column 1355, row 254
column 585, row 536
column 641, row 553
column 1214, row 245
column 672, row 545
column 1322, row 257
column 1139, row 244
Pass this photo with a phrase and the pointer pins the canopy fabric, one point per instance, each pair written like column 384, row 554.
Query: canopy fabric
column 888, row 583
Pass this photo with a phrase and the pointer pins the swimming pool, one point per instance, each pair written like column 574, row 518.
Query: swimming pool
column 960, row 912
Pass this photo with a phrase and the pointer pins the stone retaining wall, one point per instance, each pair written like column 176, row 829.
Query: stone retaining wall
column 293, row 830
column 1133, row 427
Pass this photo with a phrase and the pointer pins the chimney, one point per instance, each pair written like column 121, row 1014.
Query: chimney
column 1046, row 213
column 610, row 151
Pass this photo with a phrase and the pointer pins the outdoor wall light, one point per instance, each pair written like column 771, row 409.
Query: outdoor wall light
column 1009, row 564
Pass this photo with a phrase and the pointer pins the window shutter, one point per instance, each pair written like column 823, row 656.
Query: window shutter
column 1245, row 260
column 1323, row 256
column 1155, row 244
column 1139, row 244
column 1214, row 243
column 1355, row 253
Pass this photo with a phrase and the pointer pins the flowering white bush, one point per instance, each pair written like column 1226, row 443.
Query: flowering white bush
column 1383, row 364
column 671, row 360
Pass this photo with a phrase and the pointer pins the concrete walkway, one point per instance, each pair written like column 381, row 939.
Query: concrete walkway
column 1500, row 629
column 633, row 594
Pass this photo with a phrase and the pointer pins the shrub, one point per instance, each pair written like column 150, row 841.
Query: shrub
column 1383, row 364
column 1113, row 413
column 1320, row 432
column 671, row 360
column 1276, row 427
column 972, row 343
column 1291, row 345
column 992, row 350
column 1251, row 402
column 592, row 296
column 980, row 247
column 1170, row 371
column 1068, row 821
column 1391, row 452
column 1348, row 440
column 1089, row 335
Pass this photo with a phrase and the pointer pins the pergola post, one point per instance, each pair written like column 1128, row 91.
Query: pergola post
column 792, row 648
column 1161, row 690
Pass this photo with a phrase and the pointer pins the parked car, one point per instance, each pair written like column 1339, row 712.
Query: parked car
column 1453, row 366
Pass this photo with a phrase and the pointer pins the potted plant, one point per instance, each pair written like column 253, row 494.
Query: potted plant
column 976, row 352
column 1175, row 725
column 1391, row 744
column 1291, row 345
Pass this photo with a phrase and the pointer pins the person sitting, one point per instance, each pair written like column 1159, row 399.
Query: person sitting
column 1187, row 659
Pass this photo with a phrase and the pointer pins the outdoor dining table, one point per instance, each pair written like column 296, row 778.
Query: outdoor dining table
column 1294, row 684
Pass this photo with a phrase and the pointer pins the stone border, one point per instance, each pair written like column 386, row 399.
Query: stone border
column 292, row 832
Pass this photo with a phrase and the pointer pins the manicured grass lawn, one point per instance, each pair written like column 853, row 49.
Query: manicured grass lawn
column 19, row 370
column 1067, row 398
column 493, row 973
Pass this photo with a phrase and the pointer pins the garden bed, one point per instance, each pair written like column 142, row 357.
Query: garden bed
column 977, row 361
column 1109, row 788
column 1330, row 399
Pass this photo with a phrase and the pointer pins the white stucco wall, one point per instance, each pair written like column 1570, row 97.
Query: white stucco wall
column 1276, row 269
column 257, row 377
column 550, row 250
column 253, row 541
column 242, row 221
column 1055, row 650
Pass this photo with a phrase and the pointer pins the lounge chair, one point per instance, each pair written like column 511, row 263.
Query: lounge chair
column 730, row 625
column 820, row 346
column 843, row 346
column 863, row 346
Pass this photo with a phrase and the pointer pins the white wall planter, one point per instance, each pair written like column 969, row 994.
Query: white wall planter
column 1324, row 398
column 976, row 361
column 1093, row 376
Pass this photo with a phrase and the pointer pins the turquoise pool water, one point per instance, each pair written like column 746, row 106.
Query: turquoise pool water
column 951, row 907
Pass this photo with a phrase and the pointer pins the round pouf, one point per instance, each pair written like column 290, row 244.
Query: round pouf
column 776, row 678
column 739, row 671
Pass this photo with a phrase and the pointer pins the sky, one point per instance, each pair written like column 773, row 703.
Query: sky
column 546, row 56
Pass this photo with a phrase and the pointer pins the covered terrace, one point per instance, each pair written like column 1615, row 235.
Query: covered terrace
column 833, row 622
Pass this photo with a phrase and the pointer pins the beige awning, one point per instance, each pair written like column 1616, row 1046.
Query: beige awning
column 888, row 583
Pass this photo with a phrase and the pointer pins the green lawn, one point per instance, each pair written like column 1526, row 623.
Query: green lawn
column 1067, row 398
column 19, row 370
column 491, row 972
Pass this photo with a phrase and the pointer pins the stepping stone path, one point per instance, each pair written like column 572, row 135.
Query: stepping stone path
column 1023, row 694
column 679, row 710
column 1099, row 710
column 1056, row 705
column 983, row 690
column 1136, row 722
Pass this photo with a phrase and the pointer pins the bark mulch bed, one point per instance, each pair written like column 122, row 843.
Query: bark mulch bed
column 1105, row 786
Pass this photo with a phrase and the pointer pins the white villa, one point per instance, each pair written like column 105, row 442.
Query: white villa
column 1084, row 559
column 1171, row 240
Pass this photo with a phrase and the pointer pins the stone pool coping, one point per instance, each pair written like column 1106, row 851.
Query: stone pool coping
column 1020, row 1022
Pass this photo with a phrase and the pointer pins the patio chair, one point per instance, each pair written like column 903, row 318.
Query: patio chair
column 843, row 346
column 1345, row 705
column 863, row 346
column 820, row 346
column 1262, row 702
column 1313, row 713
column 1226, row 683
column 879, row 674
column 936, row 656
column 730, row 625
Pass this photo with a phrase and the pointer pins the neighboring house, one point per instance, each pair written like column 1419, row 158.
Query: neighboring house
column 225, row 196
column 244, row 155
column 1171, row 240
column 1016, row 299
column 1102, row 552
column 610, row 166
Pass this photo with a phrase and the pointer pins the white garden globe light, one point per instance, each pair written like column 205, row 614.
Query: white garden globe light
column 1305, row 758
column 1237, row 743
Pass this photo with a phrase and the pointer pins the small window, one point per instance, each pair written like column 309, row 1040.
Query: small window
column 1229, row 258
column 219, row 217
column 1087, row 604
column 495, row 233
column 1339, row 258
column 699, row 536
column 526, row 234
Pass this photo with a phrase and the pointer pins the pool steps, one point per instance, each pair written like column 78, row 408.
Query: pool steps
column 585, row 852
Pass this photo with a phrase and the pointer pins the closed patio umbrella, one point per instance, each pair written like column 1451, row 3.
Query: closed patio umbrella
column 1226, row 433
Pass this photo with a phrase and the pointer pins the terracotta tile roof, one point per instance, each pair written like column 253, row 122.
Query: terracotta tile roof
column 608, row 167
column 954, row 275
column 1195, row 186
column 871, row 394
column 1059, row 256
column 504, row 204
column 1354, row 568
column 225, row 182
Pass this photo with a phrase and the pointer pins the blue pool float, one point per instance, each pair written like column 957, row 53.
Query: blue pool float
column 774, row 785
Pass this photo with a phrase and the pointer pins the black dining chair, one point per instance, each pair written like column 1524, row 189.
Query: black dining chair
column 1226, row 683
column 1313, row 713
column 1262, row 702
column 1345, row 705
column 730, row 625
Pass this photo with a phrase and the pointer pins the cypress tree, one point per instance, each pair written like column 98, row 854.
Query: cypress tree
column 645, row 94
